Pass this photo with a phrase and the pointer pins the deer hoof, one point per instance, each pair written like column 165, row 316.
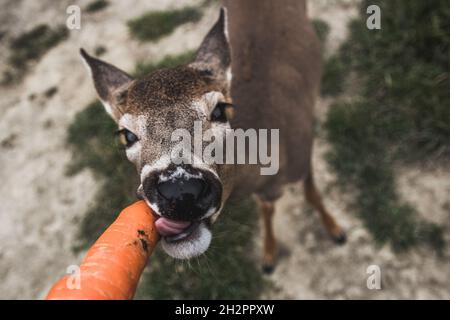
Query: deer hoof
column 268, row 268
column 340, row 239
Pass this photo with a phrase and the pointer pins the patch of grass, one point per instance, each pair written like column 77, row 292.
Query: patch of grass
column 50, row 92
column 206, row 3
column 402, row 115
column 322, row 29
column 34, row 43
column 156, row 24
column 99, row 51
column 31, row 46
column 334, row 72
column 143, row 68
column 9, row 77
column 333, row 78
column 362, row 157
column 96, row 5
column 226, row 270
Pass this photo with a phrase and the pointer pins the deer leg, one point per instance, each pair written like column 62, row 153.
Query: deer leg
column 267, row 210
column 313, row 197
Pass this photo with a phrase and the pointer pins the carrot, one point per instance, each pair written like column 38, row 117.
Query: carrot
column 113, row 265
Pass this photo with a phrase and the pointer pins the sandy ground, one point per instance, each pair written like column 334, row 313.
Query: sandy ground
column 41, row 205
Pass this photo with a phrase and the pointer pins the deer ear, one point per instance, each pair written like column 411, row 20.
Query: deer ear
column 214, row 55
column 110, row 82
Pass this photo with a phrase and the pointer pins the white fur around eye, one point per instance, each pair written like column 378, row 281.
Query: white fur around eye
column 126, row 120
column 133, row 152
column 134, row 123
column 205, row 105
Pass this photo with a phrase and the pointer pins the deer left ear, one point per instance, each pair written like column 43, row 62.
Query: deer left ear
column 214, row 55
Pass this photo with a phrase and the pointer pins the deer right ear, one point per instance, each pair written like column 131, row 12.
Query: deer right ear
column 214, row 55
column 110, row 82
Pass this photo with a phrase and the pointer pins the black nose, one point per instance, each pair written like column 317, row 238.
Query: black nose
column 181, row 190
column 184, row 198
column 183, row 193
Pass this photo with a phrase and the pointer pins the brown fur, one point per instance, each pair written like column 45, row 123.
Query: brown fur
column 276, row 61
column 167, row 88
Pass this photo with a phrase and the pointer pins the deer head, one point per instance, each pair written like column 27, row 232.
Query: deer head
column 188, row 197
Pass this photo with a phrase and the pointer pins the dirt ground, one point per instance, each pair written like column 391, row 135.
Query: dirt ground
column 313, row 267
column 41, row 205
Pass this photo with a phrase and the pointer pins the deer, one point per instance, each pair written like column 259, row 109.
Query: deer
column 259, row 66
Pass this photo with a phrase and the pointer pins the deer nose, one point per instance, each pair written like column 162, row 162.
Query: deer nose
column 183, row 198
column 183, row 193
column 181, row 190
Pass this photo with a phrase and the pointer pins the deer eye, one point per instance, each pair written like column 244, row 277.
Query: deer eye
column 222, row 112
column 127, row 137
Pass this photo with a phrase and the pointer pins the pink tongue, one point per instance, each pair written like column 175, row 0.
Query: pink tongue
column 167, row 227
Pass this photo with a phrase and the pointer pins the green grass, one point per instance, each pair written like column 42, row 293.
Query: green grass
column 401, row 115
column 143, row 68
column 50, row 92
column 96, row 5
column 333, row 79
column 154, row 25
column 225, row 271
column 31, row 46
column 99, row 50
column 363, row 158
column 334, row 70
column 322, row 29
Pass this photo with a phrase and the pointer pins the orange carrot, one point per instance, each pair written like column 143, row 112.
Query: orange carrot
column 113, row 265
